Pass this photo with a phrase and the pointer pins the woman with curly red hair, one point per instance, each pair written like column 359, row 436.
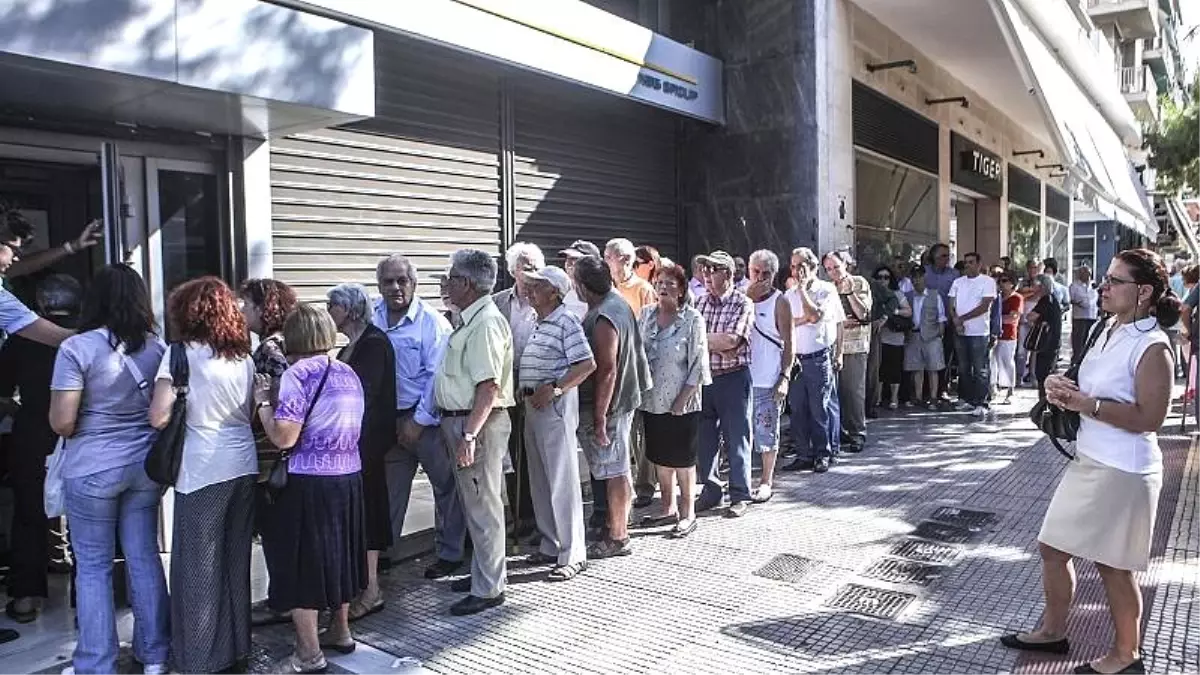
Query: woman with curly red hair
column 214, row 493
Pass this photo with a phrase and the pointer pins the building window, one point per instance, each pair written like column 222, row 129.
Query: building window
column 1024, row 236
column 1058, row 242
column 895, row 209
column 1085, row 248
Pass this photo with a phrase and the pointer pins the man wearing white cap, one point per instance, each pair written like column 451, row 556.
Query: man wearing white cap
column 578, row 249
column 555, row 362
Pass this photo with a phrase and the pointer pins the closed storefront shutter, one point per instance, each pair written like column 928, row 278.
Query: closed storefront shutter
column 422, row 178
column 592, row 166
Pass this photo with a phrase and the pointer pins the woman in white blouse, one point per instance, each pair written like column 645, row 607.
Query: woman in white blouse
column 1105, row 505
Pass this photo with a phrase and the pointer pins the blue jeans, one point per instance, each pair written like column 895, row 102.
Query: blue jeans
column 726, row 412
column 974, row 380
column 100, row 507
column 815, row 412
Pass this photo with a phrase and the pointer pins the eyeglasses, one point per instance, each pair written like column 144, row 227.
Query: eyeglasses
column 713, row 269
column 1110, row 280
column 15, row 248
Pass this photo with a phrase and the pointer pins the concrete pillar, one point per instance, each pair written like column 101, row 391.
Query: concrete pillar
column 944, row 213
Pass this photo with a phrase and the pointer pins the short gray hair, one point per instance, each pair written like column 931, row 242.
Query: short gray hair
column 807, row 257
column 621, row 247
column 1045, row 282
column 354, row 299
column 767, row 259
column 526, row 250
column 398, row 259
column 477, row 267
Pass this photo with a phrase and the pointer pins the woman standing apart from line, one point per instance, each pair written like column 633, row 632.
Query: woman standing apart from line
column 214, row 493
column 1105, row 505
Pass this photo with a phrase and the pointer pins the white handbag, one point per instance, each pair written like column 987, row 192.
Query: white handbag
column 53, row 498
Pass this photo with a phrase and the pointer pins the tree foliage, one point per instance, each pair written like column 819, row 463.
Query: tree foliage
column 1174, row 143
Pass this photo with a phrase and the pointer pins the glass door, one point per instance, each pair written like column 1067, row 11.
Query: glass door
column 187, row 239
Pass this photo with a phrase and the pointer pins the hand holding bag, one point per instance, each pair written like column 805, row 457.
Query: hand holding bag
column 277, row 479
column 166, row 455
column 1059, row 424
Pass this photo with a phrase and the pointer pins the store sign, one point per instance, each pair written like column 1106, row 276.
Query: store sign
column 567, row 39
column 975, row 167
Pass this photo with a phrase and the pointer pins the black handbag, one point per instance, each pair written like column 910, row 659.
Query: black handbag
column 1063, row 425
column 165, row 456
column 900, row 324
column 277, row 479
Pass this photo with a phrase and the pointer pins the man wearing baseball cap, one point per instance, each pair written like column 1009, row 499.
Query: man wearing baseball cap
column 578, row 249
column 556, row 361
column 729, row 316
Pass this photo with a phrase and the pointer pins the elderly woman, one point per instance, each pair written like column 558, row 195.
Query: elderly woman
column 371, row 355
column 676, row 343
column 315, row 523
column 891, row 343
column 1104, row 507
column 1045, row 330
column 556, row 361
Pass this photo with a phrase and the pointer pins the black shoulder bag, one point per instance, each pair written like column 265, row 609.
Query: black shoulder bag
column 165, row 456
column 277, row 479
column 1058, row 424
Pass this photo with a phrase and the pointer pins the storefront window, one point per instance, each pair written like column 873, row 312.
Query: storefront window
column 895, row 211
column 1057, row 242
column 1024, row 238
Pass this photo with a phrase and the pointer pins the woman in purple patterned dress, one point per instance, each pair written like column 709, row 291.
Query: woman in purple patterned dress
column 315, row 527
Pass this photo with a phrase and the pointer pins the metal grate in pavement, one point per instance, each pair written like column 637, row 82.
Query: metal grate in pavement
column 971, row 520
column 877, row 602
column 947, row 534
column 787, row 567
column 898, row 571
column 920, row 550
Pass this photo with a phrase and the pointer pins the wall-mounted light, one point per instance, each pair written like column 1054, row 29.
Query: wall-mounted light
column 906, row 63
column 1021, row 153
column 961, row 100
column 1048, row 166
column 1059, row 174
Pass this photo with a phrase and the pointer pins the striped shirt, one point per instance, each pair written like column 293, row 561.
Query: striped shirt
column 733, row 314
column 557, row 343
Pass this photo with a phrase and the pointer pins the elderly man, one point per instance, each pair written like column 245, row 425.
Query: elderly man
column 939, row 275
column 512, row 302
column 473, row 389
column 817, row 318
column 418, row 335
column 621, row 256
column 771, row 358
column 555, row 362
column 578, row 249
column 609, row 398
column 725, row 409
column 855, row 295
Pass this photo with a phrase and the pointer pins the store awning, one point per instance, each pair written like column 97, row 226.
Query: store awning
column 1178, row 217
column 1095, row 157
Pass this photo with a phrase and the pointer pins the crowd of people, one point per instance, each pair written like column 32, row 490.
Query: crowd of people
column 656, row 377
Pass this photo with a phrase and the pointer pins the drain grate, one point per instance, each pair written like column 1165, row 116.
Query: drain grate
column 787, row 567
column 898, row 571
column 876, row 602
column 947, row 534
column 972, row 520
column 920, row 550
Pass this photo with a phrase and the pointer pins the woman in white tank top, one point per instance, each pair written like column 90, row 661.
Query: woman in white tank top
column 1105, row 505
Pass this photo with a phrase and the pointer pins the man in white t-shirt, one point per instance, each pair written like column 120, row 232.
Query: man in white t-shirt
column 971, row 299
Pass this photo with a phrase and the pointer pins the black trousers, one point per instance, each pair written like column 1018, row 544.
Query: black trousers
column 520, row 503
column 1079, row 333
column 29, row 557
column 950, row 349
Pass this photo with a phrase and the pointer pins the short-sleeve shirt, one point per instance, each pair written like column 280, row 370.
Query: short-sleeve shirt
column 480, row 349
column 637, row 292
column 112, row 428
column 557, row 343
column 732, row 313
column 218, row 444
column 1087, row 297
column 968, row 294
column 14, row 315
column 813, row 337
column 857, row 337
column 678, row 357
column 328, row 444
column 1013, row 304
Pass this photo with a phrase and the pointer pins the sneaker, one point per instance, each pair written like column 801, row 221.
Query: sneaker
column 821, row 465
column 909, row 404
column 737, row 509
column 980, row 411
column 893, row 405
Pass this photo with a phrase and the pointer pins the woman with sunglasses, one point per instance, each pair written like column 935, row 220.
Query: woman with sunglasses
column 891, row 343
column 646, row 262
column 1105, row 506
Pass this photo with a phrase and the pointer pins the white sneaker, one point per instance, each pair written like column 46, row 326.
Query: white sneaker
column 980, row 412
column 69, row 670
column 155, row 669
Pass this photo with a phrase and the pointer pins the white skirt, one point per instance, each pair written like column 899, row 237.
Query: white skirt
column 1103, row 514
column 1004, row 363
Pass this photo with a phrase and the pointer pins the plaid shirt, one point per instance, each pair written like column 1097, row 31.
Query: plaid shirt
column 734, row 314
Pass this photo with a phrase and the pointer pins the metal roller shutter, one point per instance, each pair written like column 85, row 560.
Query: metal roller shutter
column 590, row 166
column 422, row 178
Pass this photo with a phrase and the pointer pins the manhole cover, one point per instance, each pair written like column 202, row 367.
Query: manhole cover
column 876, row 602
column 899, row 571
column 787, row 567
column 972, row 520
column 948, row 534
column 925, row 551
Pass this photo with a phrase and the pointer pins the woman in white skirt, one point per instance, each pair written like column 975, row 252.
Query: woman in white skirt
column 1104, row 508
column 1004, row 356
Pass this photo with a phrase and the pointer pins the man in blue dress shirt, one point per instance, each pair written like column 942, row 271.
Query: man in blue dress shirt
column 418, row 333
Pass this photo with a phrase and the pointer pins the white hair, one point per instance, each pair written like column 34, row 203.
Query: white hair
column 526, row 250
column 477, row 266
column 767, row 259
column 807, row 257
column 354, row 299
column 620, row 246
column 397, row 259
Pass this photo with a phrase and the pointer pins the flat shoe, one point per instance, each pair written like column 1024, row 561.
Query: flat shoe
column 659, row 521
column 473, row 605
column 540, row 558
column 10, row 610
column 759, row 497
column 295, row 664
column 359, row 609
column 680, row 531
column 1056, row 647
column 1137, row 667
column 8, row 635
column 335, row 646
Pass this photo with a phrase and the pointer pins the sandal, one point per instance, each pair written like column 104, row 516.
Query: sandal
column 540, row 558
column 683, row 529
column 609, row 548
column 295, row 664
column 567, row 572
column 659, row 521
column 359, row 608
column 336, row 646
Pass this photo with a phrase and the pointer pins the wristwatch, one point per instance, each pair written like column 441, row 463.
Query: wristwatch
column 468, row 437
column 1096, row 409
